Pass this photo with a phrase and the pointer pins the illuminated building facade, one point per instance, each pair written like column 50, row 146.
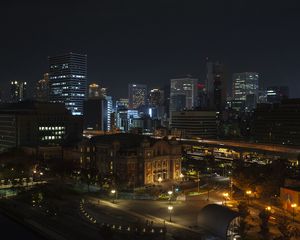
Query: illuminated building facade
column 156, row 97
column 34, row 124
column 245, row 87
column 137, row 95
column 17, row 91
column 183, row 92
column 132, row 160
column 109, row 102
column 122, row 103
column 68, row 80
column 95, row 91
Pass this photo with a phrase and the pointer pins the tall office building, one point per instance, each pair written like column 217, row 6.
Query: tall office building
column 276, row 94
column 216, row 89
column 156, row 97
column 17, row 91
column 68, row 80
column 183, row 92
column 137, row 95
column 109, row 112
column 245, row 88
column 42, row 92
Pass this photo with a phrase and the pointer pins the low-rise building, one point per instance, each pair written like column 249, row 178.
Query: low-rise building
column 32, row 124
column 132, row 160
column 195, row 123
column 278, row 123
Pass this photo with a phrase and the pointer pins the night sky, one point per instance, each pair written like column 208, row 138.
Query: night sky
column 152, row 41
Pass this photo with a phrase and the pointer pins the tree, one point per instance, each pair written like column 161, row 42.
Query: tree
column 244, row 212
column 243, row 209
column 283, row 227
column 264, row 216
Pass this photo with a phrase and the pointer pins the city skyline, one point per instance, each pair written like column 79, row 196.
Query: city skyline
column 156, row 48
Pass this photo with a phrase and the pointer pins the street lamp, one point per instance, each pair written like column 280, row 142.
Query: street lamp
column 225, row 195
column 198, row 181
column 248, row 193
column 294, row 205
column 268, row 208
column 159, row 180
column 170, row 208
column 181, row 176
column 113, row 191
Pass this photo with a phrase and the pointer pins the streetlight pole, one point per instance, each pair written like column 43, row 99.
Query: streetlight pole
column 248, row 193
column 225, row 196
column 113, row 191
column 294, row 205
column 170, row 208
column 198, row 181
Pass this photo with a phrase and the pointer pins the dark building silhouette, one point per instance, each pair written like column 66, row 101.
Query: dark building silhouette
column 278, row 123
column 276, row 94
column 215, row 85
column 195, row 123
column 42, row 91
column 95, row 114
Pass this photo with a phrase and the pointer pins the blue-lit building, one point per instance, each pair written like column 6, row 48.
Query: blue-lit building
column 68, row 80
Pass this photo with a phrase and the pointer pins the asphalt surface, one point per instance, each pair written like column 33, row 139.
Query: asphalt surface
column 12, row 230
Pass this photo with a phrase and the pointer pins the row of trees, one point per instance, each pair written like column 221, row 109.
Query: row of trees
column 265, row 180
column 288, row 230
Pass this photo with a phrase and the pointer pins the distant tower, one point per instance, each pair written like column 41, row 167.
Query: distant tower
column 17, row 91
column 137, row 95
column 68, row 80
column 94, row 90
column 215, row 86
column 245, row 87
column 183, row 93
column 42, row 92
column 156, row 97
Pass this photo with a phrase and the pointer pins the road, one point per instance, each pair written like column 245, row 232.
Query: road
column 239, row 144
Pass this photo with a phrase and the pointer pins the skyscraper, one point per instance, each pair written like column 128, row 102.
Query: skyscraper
column 17, row 91
column 137, row 95
column 42, row 89
column 156, row 97
column 68, row 80
column 183, row 92
column 245, row 88
column 109, row 111
column 215, row 86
